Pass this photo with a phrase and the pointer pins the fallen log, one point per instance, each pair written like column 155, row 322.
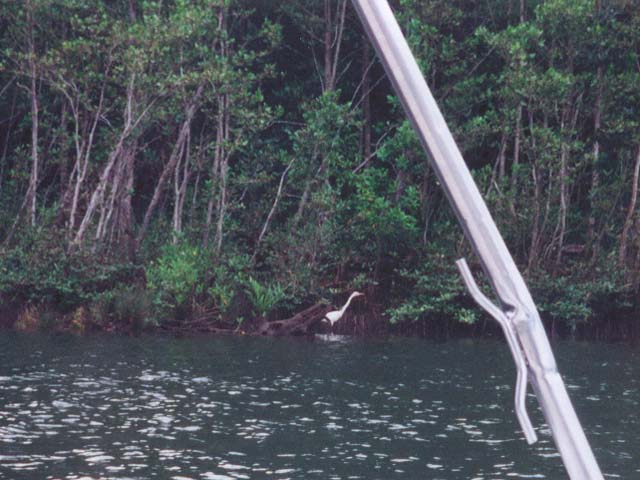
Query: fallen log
column 299, row 324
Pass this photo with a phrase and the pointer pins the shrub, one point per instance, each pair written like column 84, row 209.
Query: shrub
column 126, row 307
column 176, row 278
column 264, row 298
column 38, row 271
column 28, row 320
column 79, row 320
column 432, row 290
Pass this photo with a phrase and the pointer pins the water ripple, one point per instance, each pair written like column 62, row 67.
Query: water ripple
column 241, row 408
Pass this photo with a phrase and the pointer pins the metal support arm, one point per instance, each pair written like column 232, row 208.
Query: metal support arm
column 514, row 346
column 518, row 310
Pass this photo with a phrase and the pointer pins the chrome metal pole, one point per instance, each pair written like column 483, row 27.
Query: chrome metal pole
column 516, row 302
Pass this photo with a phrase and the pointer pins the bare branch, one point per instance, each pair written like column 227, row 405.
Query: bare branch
column 273, row 209
column 9, row 83
column 374, row 153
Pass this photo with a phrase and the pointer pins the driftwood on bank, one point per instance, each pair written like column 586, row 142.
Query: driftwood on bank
column 300, row 324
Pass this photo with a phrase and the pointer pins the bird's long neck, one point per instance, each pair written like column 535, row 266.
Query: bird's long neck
column 346, row 305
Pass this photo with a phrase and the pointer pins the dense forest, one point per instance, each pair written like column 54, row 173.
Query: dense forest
column 180, row 162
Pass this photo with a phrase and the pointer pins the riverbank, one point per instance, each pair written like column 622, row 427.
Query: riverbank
column 361, row 321
column 183, row 288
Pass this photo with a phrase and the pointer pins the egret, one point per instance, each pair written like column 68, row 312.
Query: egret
column 334, row 316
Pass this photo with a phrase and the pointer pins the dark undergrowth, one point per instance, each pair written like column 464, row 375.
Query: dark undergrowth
column 129, row 311
column 181, row 287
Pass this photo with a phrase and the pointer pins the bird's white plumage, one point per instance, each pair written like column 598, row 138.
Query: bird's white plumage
column 335, row 315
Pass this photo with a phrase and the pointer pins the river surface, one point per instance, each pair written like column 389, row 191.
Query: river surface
column 108, row 407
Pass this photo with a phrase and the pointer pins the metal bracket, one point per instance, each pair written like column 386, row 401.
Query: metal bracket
column 518, row 315
column 514, row 346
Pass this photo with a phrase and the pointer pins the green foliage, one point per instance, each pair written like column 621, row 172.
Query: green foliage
column 176, row 279
column 264, row 298
column 39, row 271
column 226, row 277
column 563, row 298
column 125, row 307
column 185, row 279
column 575, row 299
column 222, row 117
column 432, row 291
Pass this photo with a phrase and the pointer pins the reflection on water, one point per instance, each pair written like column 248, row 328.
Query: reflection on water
column 331, row 408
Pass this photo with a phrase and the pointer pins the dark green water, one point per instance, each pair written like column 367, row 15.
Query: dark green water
column 223, row 408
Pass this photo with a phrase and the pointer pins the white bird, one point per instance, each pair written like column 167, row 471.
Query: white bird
column 334, row 316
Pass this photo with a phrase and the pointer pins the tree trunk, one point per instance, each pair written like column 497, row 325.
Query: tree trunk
column 562, row 215
column 83, row 151
column 592, row 245
column 628, row 222
column 516, row 161
column 328, row 75
column 98, row 193
column 97, row 197
column 33, row 177
column 116, row 220
column 502, row 157
column 332, row 42
column 219, row 154
column 125, row 224
column 5, row 147
column 214, row 177
column 196, row 187
column 224, row 169
column 568, row 123
column 170, row 166
column 366, row 100
column 222, row 204
column 537, row 228
column 132, row 11
column 180, row 183
column 516, row 141
column 534, row 247
column 267, row 222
